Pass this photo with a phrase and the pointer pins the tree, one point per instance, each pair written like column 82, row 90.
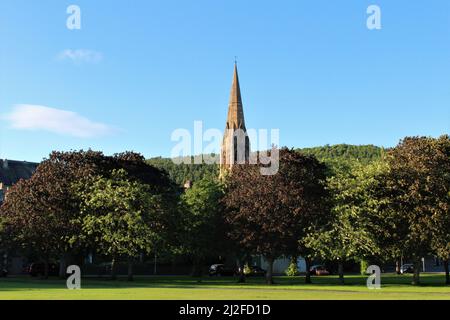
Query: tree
column 441, row 241
column 39, row 211
column 187, row 169
column 418, row 184
column 42, row 215
column 203, row 232
column 270, row 215
column 122, row 217
column 441, row 218
column 25, row 226
column 387, row 227
column 347, row 235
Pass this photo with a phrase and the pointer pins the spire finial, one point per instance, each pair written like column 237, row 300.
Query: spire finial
column 235, row 60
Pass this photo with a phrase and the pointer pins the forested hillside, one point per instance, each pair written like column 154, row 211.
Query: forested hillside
column 364, row 154
column 180, row 173
column 334, row 156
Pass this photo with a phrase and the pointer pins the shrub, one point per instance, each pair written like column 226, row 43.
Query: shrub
column 292, row 270
column 364, row 264
column 247, row 269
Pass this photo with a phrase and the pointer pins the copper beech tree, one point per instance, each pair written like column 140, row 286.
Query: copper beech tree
column 37, row 212
column 42, row 215
column 269, row 215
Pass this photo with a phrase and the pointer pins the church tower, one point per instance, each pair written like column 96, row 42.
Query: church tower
column 235, row 144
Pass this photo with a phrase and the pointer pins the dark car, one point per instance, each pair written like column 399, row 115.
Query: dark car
column 105, row 267
column 319, row 270
column 3, row 273
column 221, row 270
column 407, row 268
column 38, row 269
column 255, row 271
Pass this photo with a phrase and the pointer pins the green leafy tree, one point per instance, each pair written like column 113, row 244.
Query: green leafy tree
column 348, row 234
column 387, row 227
column 182, row 170
column 122, row 217
column 203, row 233
column 441, row 220
column 418, row 185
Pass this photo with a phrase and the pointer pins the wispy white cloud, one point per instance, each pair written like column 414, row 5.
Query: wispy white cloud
column 81, row 55
column 33, row 117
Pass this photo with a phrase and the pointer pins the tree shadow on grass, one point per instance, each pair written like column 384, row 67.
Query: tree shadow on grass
column 185, row 282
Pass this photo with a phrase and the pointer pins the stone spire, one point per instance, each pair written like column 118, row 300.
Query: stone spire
column 235, row 119
column 235, row 144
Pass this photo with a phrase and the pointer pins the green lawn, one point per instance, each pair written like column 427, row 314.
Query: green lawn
column 393, row 287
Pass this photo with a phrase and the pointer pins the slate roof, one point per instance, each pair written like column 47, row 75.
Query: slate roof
column 12, row 171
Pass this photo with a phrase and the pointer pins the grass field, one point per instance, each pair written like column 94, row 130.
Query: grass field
column 171, row 287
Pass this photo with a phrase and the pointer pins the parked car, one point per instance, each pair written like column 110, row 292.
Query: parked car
column 105, row 267
column 319, row 270
column 38, row 269
column 407, row 268
column 3, row 273
column 221, row 270
column 255, row 271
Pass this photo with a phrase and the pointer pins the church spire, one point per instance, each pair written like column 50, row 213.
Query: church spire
column 235, row 119
column 235, row 144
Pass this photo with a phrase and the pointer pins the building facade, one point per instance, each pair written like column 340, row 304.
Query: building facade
column 11, row 171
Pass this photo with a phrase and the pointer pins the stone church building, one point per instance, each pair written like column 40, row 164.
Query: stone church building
column 235, row 144
column 236, row 150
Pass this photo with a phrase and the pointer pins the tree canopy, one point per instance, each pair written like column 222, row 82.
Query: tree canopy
column 43, row 214
column 270, row 214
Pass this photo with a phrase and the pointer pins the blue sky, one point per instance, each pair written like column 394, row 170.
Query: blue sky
column 137, row 70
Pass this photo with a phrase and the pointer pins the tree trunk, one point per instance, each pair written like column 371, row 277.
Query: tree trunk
column 308, row 272
column 113, row 269
column 241, row 265
column 46, row 268
column 398, row 265
column 416, row 276
column 269, row 274
column 173, row 265
column 130, row 270
column 341, row 272
column 196, row 268
column 63, row 266
column 447, row 274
